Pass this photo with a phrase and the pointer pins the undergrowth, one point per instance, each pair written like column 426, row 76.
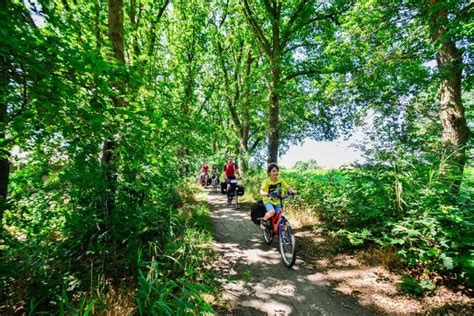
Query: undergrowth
column 401, row 208
column 59, row 256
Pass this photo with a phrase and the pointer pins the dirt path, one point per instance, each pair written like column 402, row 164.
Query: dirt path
column 259, row 284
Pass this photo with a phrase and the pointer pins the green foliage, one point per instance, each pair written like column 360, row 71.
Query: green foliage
column 306, row 165
column 403, row 205
column 37, row 252
column 173, row 281
column 194, row 84
column 415, row 287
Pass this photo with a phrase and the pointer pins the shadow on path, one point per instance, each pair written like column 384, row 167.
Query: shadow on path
column 257, row 281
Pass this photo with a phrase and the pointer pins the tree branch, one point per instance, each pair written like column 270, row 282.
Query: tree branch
column 269, row 8
column 152, row 29
column 225, row 15
column 257, row 30
column 230, row 102
column 330, row 16
column 296, row 14
column 255, row 144
column 206, row 100
column 289, row 49
column 301, row 73
column 24, row 102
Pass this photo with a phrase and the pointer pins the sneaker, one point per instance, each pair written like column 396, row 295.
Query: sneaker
column 264, row 224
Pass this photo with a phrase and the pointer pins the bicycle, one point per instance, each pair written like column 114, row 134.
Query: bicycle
column 214, row 181
column 205, row 179
column 232, row 192
column 280, row 226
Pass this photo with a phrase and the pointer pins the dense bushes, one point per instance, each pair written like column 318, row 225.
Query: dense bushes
column 63, row 253
column 404, row 205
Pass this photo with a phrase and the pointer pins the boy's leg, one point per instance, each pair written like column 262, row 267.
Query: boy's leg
column 277, row 208
column 268, row 214
column 270, row 211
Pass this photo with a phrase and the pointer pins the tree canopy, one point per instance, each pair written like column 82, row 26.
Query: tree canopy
column 116, row 102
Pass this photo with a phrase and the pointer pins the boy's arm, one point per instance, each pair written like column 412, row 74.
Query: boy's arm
column 264, row 190
column 292, row 191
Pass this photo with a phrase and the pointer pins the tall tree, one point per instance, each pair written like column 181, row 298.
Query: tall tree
column 394, row 57
column 116, row 36
column 4, row 152
column 243, row 86
column 455, row 132
column 18, row 52
column 281, row 28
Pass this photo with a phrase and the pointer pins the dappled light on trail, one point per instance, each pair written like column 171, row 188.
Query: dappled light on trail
column 255, row 279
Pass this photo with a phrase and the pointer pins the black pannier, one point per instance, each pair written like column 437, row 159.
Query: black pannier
column 223, row 187
column 240, row 190
column 257, row 211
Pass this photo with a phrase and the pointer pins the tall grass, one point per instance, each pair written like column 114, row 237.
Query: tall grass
column 173, row 279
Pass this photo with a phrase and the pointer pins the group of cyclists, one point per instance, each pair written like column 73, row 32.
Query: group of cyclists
column 272, row 185
column 231, row 170
column 269, row 212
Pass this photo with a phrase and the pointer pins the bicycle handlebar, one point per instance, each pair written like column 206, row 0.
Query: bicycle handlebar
column 278, row 196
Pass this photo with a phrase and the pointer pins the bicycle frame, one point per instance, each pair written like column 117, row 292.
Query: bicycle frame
column 278, row 219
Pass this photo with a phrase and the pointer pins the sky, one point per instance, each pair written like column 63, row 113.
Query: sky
column 329, row 155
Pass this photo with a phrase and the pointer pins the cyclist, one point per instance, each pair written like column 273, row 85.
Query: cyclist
column 204, row 171
column 273, row 185
column 214, row 174
column 230, row 170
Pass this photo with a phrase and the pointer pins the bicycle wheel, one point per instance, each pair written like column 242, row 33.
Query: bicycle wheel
column 287, row 245
column 268, row 235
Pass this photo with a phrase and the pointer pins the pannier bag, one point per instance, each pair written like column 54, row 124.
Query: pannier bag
column 223, row 187
column 240, row 190
column 232, row 188
column 257, row 211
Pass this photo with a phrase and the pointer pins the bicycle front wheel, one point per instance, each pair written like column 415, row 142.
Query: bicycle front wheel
column 287, row 245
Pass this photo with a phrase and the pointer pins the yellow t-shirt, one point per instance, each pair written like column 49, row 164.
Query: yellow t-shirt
column 279, row 186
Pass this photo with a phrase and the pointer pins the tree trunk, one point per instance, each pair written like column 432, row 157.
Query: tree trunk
column 4, row 152
column 245, row 133
column 273, row 112
column 455, row 133
column 273, row 115
column 244, row 155
column 115, row 33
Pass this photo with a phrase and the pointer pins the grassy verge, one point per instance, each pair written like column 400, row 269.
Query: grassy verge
column 164, row 271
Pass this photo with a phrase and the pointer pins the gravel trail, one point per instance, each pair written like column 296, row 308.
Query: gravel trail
column 257, row 281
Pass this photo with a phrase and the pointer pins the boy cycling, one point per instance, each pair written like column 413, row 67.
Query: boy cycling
column 273, row 185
